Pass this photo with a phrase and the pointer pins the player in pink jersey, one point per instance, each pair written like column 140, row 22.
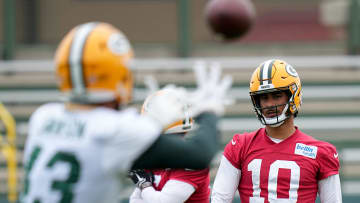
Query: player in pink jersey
column 171, row 185
column 278, row 163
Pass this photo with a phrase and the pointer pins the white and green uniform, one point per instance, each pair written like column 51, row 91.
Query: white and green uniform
column 75, row 157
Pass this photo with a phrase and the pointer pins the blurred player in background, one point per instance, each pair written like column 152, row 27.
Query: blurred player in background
column 76, row 150
column 171, row 185
column 278, row 163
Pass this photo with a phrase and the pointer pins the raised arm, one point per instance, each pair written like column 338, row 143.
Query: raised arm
column 195, row 152
column 206, row 103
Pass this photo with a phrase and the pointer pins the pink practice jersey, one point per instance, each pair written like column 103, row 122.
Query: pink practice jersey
column 199, row 179
column 288, row 171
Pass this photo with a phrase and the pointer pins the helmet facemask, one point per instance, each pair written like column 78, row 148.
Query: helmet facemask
column 279, row 119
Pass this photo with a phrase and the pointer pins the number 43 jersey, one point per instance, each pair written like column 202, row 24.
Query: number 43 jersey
column 288, row 171
column 77, row 157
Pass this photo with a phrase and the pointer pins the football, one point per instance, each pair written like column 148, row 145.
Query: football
column 230, row 18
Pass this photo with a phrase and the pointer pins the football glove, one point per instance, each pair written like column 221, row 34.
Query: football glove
column 212, row 91
column 141, row 178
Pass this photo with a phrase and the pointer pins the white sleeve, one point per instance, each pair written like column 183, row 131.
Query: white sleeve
column 133, row 135
column 226, row 182
column 135, row 197
column 173, row 191
column 330, row 189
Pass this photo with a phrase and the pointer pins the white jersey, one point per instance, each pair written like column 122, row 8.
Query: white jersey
column 77, row 157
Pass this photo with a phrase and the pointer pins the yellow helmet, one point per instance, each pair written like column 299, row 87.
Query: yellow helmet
column 92, row 64
column 276, row 75
column 181, row 126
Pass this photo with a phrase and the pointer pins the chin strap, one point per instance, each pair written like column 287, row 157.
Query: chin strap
column 277, row 124
column 278, row 120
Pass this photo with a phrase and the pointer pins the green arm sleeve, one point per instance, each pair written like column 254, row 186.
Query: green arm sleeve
column 194, row 152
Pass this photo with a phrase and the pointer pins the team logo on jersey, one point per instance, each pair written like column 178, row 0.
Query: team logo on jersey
column 306, row 150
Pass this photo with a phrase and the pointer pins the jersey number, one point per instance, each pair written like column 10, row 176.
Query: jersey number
column 255, row 166
column 64, row 186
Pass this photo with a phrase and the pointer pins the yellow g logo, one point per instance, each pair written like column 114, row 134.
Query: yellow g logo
column 291, row 71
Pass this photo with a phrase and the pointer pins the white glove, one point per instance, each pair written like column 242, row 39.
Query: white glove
column 211, row 93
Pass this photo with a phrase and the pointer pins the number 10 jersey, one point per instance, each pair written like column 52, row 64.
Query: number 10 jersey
column 288, row 171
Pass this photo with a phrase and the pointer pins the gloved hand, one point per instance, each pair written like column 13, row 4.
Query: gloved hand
column 210, row 95
column 141, row 178
column 212, row 91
